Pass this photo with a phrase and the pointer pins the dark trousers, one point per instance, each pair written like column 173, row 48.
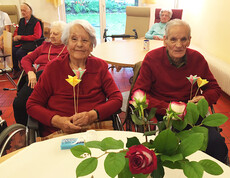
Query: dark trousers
column 216, row 147
column 17, row 54
column 19, row 104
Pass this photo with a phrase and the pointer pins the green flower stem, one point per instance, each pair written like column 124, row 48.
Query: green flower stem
column 191, row 92
column 145, row 123
column 107, row 152
column 169, row 119
column 197, row 91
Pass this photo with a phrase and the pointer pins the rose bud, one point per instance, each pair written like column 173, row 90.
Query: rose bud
column 178, row 107
column 141, row 160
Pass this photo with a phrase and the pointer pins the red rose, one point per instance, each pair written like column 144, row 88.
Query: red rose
column 141, row 159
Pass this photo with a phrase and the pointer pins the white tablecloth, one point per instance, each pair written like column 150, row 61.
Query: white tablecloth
column 46, row 160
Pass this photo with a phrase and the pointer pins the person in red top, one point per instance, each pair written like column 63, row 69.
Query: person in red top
column 28, row 31
column 33, row 64
column 98, row 97
column 163, row 77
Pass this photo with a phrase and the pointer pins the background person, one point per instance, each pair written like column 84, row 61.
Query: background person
column 157, row 31
column 5, row 24
column 175, row 61
column 34, row 63
column 52, row 102
column 28, row 31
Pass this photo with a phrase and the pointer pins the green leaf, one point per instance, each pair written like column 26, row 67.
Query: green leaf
column 179, row 124
column 159, row 172
column 202, row 107
column 136, row 120
column 93, row 144
column 132, row 141
column 125, row 173
column 193, row 169
column 215, row 120
column 79, row 150
column 211, row 167
column 192, row 113
column 114, row 163
column 166, row 142
column 111, row 143
column 191, row 144
column 151, row 113
column 173, row 158
column 86, row 167
column 204, row 131
column 183, row 134
column 140, row 175
column 171, row 165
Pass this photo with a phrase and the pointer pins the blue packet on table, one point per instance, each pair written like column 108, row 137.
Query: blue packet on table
column 68, row 143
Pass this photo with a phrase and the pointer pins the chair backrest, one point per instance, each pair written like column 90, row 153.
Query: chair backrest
column 137, row 18
column 7, row 44
column 13, row 13
column 177, row 14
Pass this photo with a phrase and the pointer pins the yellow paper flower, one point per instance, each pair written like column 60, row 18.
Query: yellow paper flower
column 73, row 80
column 201, row 82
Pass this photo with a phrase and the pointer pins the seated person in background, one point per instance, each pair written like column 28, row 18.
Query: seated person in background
column 175, row 62
column 28, row 31
column 157, row 31
column 5, row 24
column 52, row 100
column 34, row 63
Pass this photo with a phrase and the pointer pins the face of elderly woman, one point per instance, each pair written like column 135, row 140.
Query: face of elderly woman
column 26, row 11
column 177, row 41
column 55, row 35
column 79, row 44
column 164, row 17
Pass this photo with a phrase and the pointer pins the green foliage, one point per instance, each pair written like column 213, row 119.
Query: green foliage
column 79, row 150
column 166, row 142
column 132, row 141
column 114, row 163
column 86, row 167
column 192, row 169
column 211, row 167
column 171, row 146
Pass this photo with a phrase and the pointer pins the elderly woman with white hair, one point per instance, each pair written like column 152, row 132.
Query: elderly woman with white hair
column 33, row 65
column 98, row 97
column 157, row 31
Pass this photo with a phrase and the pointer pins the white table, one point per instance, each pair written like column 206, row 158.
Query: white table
column 46, row 160
column 124, row 53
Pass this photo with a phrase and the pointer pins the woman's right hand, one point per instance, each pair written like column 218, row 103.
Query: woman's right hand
column 65, row 124
column 32, row 80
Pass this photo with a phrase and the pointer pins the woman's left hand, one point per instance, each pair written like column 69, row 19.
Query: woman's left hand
column 85, row 118
column 196, row 99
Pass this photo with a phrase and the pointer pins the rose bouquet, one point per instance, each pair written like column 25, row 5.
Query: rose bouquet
column 170, row 148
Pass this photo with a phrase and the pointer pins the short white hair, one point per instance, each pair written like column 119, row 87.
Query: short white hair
column 166, row 10
column 60, row 24
column 176, row 22
column 86, row 25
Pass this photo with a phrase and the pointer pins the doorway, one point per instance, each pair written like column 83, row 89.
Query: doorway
column 101, row 14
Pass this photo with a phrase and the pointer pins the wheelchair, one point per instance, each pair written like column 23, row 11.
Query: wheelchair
column 18, row 136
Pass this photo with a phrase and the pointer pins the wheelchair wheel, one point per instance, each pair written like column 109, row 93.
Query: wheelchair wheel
column 12, row 138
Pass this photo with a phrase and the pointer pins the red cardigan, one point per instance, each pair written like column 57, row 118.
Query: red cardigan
column 53, row 95
column 40, row 56
column 164, row 83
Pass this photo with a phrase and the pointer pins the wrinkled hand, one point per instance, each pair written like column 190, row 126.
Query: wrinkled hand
column 157, row 38
column 196, row 99
column 65, row 124
column 17, row 37
column 32, row 80
column 84, row 119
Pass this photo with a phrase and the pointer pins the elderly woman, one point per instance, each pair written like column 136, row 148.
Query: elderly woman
column 28, row 31
column 34, row 63
column 157, row 31
column 5, row 24
column 98, row 97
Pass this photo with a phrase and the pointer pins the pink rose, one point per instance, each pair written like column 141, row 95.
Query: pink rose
column 179, row 107
column 141, row 159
